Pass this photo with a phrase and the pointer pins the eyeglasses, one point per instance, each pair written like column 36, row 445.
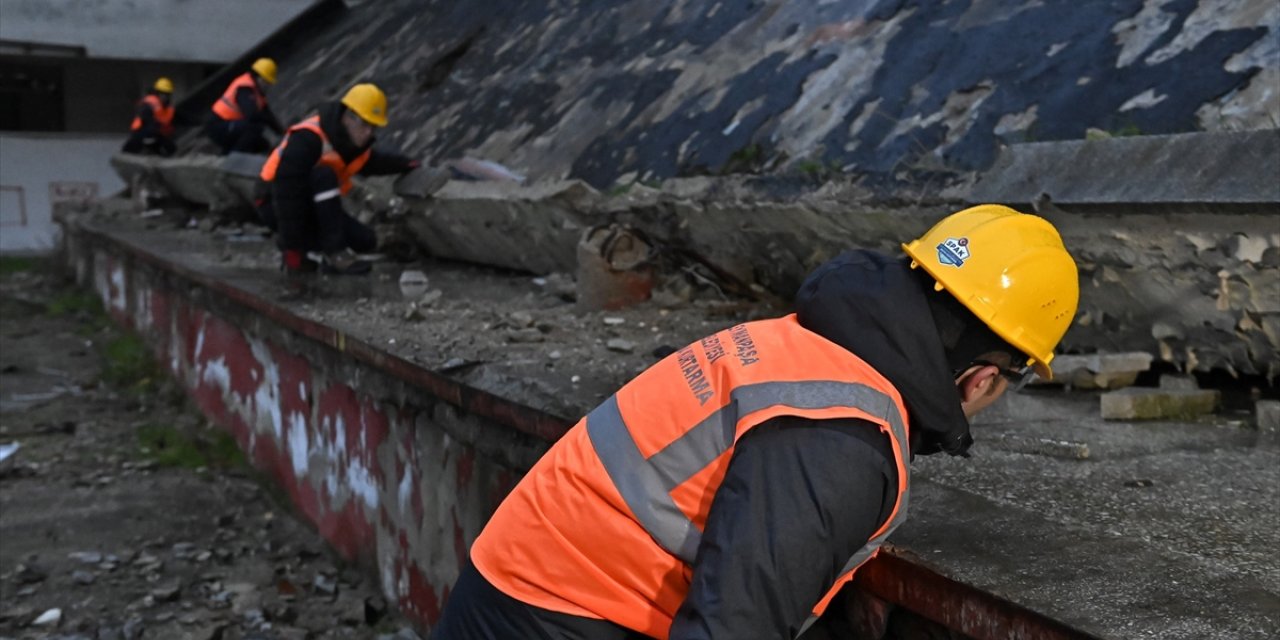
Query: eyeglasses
column 1017, row 378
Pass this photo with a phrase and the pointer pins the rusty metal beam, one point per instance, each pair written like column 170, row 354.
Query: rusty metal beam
column 957, row 606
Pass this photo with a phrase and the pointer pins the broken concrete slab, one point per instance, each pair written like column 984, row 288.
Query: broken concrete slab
column 1233, row 171
column 1136, row 403
column 1098, row 370
column 422, row 182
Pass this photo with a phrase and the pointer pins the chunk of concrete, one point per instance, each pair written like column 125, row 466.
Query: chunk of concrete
column 421, row 182
column 1145, row 403
column 1099, row 370
column 1267, row 413
column 1178, row 382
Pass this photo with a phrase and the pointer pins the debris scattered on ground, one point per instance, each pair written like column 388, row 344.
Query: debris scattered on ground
column 125, row 516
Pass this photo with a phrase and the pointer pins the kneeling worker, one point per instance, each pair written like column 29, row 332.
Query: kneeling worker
column 308, row 173
column 734, row 487
column 152, row 127
column 239, row 116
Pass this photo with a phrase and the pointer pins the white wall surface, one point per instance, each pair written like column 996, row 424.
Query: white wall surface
column 36, row 169
column 191, row 30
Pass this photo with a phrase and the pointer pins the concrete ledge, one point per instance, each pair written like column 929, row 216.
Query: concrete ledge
column 397, row 466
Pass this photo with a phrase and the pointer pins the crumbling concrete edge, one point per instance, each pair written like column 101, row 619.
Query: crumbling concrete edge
column 397, row 467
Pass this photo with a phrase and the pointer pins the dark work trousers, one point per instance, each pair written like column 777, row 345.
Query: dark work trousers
column 153, row 144
column 476, row 610
column 237, row 135
column 320, row 224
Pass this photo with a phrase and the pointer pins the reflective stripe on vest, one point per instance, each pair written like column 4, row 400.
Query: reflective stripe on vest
column 226, row 106
column 328, row 156
column 646, row 484
column 163, row 115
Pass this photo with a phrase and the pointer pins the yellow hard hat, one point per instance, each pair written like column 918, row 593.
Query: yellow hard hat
column 163, row 85
column 1010, row 269
column 266, row 68
column 368, row 102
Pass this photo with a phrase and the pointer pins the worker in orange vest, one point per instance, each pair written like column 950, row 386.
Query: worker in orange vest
column 305, row 176
column 152, row 128
column 238, row 117
column 734, row 487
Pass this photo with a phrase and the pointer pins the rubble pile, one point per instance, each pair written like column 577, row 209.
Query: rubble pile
column 124, row 516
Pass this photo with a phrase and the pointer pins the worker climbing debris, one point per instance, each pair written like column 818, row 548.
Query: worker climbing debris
column 733, row 488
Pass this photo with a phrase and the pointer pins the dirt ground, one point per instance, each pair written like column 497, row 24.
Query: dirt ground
column 125, row 516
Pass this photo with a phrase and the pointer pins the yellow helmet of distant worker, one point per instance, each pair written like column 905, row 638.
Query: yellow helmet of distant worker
column 163, row 85
column 1010, row 269
column 266, row 69
column 368, row 102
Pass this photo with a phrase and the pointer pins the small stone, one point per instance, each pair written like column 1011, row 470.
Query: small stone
column 528, row 335
column 30, row 573
column 49, row 618
column 82, row 577
column 86, row 557
column 554, row 355
column 429, row 298
column 203, row 556
column 324, row 585
column 1139, row 483
column 521, row 319
column 182, row 549
column 620, row 345
column 413, row 314
column 613, row 321
column 166, row 593
column 133, row 628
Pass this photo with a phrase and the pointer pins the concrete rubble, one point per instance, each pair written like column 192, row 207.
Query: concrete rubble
column 747, row 237
column 1137, row 403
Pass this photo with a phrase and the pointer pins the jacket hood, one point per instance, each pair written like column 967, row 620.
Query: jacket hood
column 331, row 123
column 876, row 307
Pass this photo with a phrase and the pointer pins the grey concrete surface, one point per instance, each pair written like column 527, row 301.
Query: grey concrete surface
column 1166, row 530
column 1206, row 171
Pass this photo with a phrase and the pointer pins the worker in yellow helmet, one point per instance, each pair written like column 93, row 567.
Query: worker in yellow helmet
column 305, row 176
column 152, row 128
column 733, row 488
column 237, row 118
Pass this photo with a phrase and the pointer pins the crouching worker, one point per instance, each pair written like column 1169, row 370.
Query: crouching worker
column 237, row 120
column 305, row 177
column 733, row 488
column 152, row 127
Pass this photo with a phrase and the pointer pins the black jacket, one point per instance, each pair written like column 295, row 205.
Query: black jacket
column 292, row 187
column 800, row 497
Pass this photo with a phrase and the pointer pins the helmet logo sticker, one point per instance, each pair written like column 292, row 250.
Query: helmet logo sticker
column 954, row 251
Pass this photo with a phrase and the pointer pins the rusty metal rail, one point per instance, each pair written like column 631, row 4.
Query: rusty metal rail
column 892, row 576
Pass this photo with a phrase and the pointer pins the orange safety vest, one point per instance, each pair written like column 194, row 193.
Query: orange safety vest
column 607, row 523
column 226, row 106
column 328, row 156
column 162, row 114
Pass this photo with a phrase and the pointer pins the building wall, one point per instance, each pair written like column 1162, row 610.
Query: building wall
column 39, row 169
column 149, row 29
